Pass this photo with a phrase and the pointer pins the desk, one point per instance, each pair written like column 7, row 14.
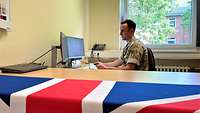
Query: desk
column 118, row 75
column 180, row 92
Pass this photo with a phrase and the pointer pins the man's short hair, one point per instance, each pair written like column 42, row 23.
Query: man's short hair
column 130, row 24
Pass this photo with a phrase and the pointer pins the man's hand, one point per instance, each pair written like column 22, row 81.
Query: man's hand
column 101, row 65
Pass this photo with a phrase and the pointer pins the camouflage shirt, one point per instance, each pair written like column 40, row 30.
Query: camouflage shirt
column 135, row 52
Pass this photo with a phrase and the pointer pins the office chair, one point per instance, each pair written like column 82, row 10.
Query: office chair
column 151, row 59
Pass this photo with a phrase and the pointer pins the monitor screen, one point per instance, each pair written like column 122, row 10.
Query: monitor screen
column 72, row 48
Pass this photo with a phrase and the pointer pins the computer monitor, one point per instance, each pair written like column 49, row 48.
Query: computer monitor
column 72, row 48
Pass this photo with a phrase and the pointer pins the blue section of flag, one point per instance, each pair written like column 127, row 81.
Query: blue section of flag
column 11, row 84
column 125, row 92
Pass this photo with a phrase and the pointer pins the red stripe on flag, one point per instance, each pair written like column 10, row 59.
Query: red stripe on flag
column 64, row 97
column 176, row 107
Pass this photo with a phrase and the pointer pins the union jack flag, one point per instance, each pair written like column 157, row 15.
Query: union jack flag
column 50, row 95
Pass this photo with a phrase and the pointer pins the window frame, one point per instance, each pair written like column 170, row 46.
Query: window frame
column 195, row 35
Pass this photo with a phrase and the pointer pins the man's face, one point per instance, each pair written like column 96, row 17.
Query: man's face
column 125, row 32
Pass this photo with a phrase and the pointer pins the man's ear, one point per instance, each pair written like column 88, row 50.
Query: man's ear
column 132, row 30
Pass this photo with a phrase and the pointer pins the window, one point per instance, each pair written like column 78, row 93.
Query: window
column 172, row 21
column 172, row 40
column 163, row 23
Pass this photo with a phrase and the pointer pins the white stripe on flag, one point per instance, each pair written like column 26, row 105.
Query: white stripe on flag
column 198, row 111
column 134, row 107
column 4, row 108
column 18, row 99
column 93, row 102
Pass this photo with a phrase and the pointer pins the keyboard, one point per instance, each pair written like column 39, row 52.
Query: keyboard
column 89, row 66
column 22, row 68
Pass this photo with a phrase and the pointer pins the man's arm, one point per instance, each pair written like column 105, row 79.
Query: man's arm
column 117, row 64
column 108, row 65
column 129, row 66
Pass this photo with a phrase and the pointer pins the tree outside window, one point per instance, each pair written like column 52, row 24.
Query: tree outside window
column 159, row 20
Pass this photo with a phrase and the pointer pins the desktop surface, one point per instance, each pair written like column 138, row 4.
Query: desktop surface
column 116, row 75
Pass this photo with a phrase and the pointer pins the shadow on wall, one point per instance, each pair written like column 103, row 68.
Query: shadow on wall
column 3, row 33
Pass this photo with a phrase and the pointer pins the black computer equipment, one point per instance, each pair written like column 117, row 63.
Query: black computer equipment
column 22, row 68
column 72, row 48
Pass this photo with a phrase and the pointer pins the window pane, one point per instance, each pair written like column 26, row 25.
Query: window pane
column 162, row 22
column 172, row 21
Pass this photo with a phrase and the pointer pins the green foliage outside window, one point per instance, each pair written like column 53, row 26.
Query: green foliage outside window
column 151, row 19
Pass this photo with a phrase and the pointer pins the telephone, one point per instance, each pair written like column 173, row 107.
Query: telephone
column 99, row 47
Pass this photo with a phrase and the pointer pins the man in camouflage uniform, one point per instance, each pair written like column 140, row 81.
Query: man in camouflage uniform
column 134, row 55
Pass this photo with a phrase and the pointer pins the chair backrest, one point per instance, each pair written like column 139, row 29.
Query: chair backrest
column 152, row 66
